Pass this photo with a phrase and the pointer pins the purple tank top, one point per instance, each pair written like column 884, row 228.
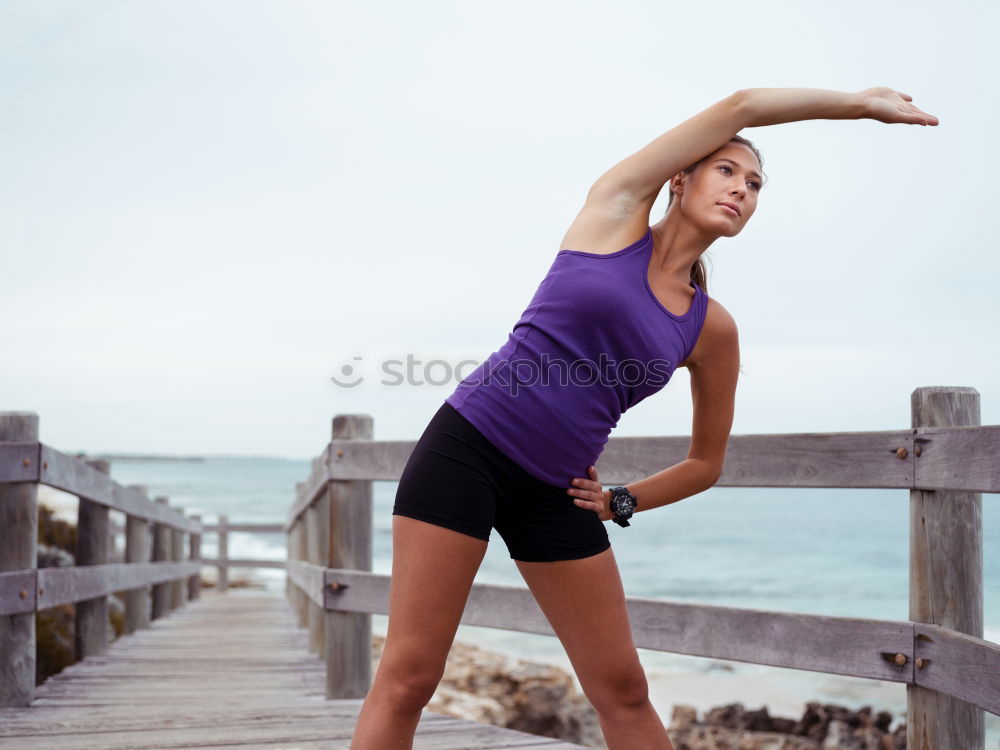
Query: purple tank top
column 593, row 342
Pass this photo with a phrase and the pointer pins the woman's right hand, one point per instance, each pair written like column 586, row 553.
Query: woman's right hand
column 888, row 105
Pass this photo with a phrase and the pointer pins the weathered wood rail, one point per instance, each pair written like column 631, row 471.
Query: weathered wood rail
column 156, row 576
column 230, row 670
column 946, row 459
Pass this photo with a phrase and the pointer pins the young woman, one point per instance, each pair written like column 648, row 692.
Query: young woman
column 514, row 446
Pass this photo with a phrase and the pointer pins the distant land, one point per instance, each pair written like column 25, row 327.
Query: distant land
column 137, row 457
column 164, row 457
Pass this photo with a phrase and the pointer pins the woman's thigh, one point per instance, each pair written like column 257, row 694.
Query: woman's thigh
column 584, row 601
column 432, row 572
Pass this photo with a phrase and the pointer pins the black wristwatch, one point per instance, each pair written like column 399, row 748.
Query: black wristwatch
column 623, row 505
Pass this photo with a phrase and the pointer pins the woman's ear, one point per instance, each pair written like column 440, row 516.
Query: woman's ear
column 677, row 183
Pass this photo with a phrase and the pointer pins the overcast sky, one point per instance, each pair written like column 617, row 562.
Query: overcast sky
column 210, row 208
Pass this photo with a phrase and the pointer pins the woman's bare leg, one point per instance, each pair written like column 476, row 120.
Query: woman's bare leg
column 585, row 603
column 432, row 573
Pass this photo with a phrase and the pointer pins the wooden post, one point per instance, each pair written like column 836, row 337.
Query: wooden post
column 315, row 613
column 302, row 553
column 92, row 532
column 289, row 536
column 178, row 587
column 946, row 577
column 162, row 598
column 18, row 551
column 290, row 550
column 223, row 566
column 323, row 504
column 137, row 550
column 349, row 634
column 194, row 582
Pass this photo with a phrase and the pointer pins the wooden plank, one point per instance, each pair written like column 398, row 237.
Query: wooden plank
column 882, row 459
column 257, row 528
column 850, row 646
column 67, row 585
column 178, row 586
column 349, row 545
column 963, row 458
column 194, row 553
column 308, row 577
column 959, row 665
column 138, row 550
column 239, row 562
column 211, row 528
column 226, row 671
column 369, row 459
column 315, row 614
column 309, row 490
column 18, row 553
column 76, row 477
column 843, row 459
column 92, row 536
column 222, row 561
column 958, row 458
column 946, row 571
column 162, row 599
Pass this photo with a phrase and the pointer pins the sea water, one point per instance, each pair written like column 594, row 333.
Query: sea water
column 840, row 552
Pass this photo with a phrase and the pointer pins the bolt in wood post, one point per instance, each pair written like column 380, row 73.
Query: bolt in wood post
column 946, row 577
column 18, row 551
column 162, row 598
column 138, row 549
column 194, row 582
column 349, row 634
column 223, row 564
column 92, row 631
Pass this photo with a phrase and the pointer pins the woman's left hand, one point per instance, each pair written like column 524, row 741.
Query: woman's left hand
column 587, row 493
column 887, row 105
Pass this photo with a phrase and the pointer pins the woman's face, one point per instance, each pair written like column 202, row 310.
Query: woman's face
column 730, row 175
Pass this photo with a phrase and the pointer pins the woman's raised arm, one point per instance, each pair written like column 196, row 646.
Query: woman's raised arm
column 638, row 178
column 775, row 106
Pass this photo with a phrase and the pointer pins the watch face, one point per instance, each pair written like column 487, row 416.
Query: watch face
column 622, row 504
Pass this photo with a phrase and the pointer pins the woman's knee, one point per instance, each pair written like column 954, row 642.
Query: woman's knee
column 408, row 684
column 623, row 688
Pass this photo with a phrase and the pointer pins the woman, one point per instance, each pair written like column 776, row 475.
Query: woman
column 514, row 447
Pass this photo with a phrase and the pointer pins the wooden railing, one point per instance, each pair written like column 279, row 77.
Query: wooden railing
column 222, row 562
column 155, row 575
column 946, row 459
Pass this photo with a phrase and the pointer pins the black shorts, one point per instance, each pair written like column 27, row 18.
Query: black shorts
column 458, row 479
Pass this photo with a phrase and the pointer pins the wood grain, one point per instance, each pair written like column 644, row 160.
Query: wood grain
column 226, row 671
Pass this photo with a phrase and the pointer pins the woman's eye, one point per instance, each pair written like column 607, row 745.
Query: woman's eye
column 756, row 185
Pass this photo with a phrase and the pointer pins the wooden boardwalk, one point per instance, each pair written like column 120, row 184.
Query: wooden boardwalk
column 227, row 671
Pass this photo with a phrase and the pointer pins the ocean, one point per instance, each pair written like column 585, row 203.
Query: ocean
column 818, row 551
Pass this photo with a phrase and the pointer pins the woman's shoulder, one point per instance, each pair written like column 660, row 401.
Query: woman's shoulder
column 719, row 333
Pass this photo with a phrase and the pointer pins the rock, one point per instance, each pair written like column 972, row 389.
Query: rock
column 821, row 727
column 48, row 556
column 492, row 688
